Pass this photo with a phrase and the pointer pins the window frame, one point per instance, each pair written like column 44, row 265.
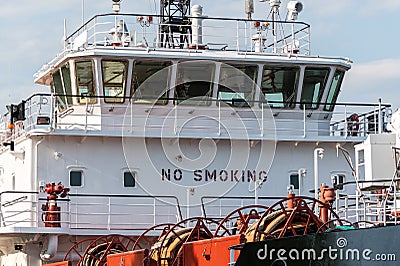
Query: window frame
column 296, row 174
column 135, row 84
column 82, row 99
column 248, row 101
column 64, row 88
column 115, row 99
column 82, row 177
column 311, row 105
column 335, row 177
column 286, row 104
column 334, row 91
column 133, row 173
column 187, row 101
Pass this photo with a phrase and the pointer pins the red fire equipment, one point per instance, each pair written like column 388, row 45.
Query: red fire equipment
column 51, row 212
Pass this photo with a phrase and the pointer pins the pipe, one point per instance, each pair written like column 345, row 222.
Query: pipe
column 197, row 25
column 51, row 251
column 318, row 154
column 34, row 172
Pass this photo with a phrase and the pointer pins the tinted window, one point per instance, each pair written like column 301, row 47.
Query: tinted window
column 66, row 75
column 59, row 90
column 85, row 82
column 114, row 80
column 294, row 180
column 334, row 90
column 313, row 86
column 155, row 89
column 237, row 84
column 129, row 179
column 194, row 83
column 279, row 86
column 75, row 178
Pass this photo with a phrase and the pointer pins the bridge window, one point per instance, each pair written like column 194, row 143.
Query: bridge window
column 61, row 86
column 85, row 82
column 279, row 86
column 313, row 86
column 194, row 83
column 237, row 84
column 155, row 89
column 114, row 81
column 334, row 90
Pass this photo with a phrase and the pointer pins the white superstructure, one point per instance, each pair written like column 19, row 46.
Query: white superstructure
column 153, row 119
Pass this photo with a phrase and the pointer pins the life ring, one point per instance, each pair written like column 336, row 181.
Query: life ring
column 353, row 125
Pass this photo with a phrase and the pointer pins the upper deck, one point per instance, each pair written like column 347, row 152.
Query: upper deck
column 196, row 76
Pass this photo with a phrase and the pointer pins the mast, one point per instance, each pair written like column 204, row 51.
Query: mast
column 175, row 29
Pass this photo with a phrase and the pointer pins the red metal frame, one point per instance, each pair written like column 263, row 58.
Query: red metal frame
column 303, row 211
column 198, row 232
column 242, row 216
column 111, row 244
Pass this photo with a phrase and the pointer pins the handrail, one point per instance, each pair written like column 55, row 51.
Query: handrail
column 133, row 196
column 27, row 211
column 213, row 100
column 188, row 17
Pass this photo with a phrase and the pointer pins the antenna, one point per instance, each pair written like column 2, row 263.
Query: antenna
column 249, row 7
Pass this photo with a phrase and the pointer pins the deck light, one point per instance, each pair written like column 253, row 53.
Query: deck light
column 294, row 8
column 116, row 5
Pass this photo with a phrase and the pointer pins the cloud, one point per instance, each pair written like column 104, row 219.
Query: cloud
column 373, row 80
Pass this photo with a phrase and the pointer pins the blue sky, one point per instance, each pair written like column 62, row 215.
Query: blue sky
column 365, row 31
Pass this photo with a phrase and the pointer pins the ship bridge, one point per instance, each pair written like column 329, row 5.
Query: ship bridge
column 164, row 71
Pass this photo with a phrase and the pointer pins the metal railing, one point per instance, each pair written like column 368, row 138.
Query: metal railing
column 89, row 211
column 378, row 206
column 348, row 120
column 138, row 31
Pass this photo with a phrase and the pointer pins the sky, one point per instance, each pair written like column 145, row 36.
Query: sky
column 364, row 31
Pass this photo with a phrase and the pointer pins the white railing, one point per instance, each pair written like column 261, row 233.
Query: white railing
column 83, row 211
column 133, row 31
column 377, row 207
column 139, row 30
column 257, row 121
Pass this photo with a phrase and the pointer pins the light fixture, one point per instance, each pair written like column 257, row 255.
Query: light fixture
column 116, row 5
column 294, row 8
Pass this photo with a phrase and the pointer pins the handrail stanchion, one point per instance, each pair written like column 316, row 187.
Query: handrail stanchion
column 304, row 121
column 380, row 116
column 262, row 120
column 109, row 214
column 219, row 118
column 237, row 36
column 345, row 121
column 395, row 202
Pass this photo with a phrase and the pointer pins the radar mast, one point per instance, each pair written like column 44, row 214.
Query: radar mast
column 175, row 26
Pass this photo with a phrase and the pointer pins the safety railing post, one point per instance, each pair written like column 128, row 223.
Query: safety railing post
column 345, row 121
column 219, row 118
column 109, row 214
column 380, row 124
column 154, row 211
column 304, row 121
column 237, row 36
column 262, row 120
